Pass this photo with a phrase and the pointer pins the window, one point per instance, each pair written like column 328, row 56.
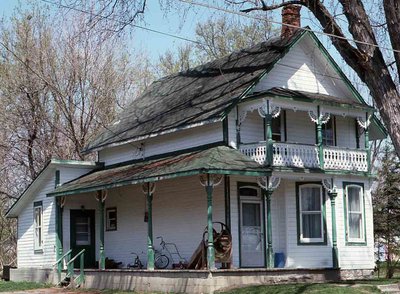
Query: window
column 354, row 205
column 310, row 209
column 276, row 129
column 328, row 132
column 82, row 230
column 111, row 219
column 38, row 225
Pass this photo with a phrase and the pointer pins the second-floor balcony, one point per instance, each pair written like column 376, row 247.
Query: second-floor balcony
column 307, row 156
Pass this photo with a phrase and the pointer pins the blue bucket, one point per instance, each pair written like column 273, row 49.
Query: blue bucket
column 279, row 260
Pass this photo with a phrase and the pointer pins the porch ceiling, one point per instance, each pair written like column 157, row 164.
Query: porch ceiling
column 216, row 160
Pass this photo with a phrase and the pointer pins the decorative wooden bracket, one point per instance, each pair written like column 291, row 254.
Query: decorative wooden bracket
column 328, row 185
column 364, row 123
column 210, row 179
column 101, row 195
column 269, row 183
column 149, row 188
column 323, row 117
column 63, row 200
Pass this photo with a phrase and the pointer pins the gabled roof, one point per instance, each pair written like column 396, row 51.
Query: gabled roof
column 46, row 172
column 216, row 160
column 199, row 95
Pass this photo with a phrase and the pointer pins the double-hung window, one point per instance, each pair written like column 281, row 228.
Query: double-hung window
column 38, row 225
column 354, row 206
column 310, row 212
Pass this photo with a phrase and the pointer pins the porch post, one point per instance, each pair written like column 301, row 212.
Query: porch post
column 270, row 253
column 58, row 224
column 101, row 198
column 150, row 248
column 335, row 259
column 268, row 137
column 367, row 148
column 210, row 244
column 148, row 190
column 331, row 188
column 209, row 182
column 319, row 138
column 268, row 184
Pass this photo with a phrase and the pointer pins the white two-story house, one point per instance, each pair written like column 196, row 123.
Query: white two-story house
column 272, row 141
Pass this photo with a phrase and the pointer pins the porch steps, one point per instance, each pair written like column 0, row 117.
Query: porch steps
column 391, row 288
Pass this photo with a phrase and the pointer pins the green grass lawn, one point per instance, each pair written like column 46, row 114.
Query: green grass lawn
column 306, row 288
column 18, row 286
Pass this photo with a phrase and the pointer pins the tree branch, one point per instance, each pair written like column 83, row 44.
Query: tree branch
column 265, row 7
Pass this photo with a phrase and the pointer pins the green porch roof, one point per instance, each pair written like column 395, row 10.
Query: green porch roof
column 216, row 160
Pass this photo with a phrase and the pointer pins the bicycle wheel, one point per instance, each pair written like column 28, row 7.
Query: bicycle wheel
column 161, row 261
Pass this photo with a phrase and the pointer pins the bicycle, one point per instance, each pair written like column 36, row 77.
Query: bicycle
column 161, row 260
column 137, row 263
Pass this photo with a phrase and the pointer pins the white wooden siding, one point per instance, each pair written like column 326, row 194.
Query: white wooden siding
column 300, row 128
column 303, row 68
column 179, row 215
column 25, row 243
column 184, row 139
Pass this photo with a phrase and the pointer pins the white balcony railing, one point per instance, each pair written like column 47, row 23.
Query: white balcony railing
column 345, row 159
column 306, row 156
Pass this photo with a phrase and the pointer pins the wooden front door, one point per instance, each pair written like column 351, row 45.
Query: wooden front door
column 83, row 236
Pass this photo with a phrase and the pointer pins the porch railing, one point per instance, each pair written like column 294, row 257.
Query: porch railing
column 306, row 156
column 345, row 159
column 70, row 266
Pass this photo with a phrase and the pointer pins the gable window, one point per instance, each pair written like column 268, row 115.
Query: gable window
column 354, row 206
column 111, row 219
column 310, row 213
column 38, row 225
column 328, row 132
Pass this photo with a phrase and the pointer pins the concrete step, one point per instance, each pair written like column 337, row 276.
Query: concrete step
column 391, row 288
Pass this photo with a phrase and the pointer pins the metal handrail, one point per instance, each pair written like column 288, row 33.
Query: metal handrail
column 75, row 257
column 62, row 257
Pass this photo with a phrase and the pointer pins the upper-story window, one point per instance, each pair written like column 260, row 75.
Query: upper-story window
column 277, row 127
column 328, row 132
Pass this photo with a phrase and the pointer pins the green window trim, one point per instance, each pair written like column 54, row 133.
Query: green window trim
column 323, row 240
column 361, row 241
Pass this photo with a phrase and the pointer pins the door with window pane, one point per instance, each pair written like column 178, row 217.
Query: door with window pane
column 252, row 237
column 83, row 235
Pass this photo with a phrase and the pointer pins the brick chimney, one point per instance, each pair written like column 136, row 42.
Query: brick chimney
column 290, row 15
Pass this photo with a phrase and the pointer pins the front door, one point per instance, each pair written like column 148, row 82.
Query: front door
column 251, row 228
column 83, row 236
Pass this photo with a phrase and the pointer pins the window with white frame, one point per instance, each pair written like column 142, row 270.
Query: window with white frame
column 38, row 225
column 354, row 201
column 310, row 213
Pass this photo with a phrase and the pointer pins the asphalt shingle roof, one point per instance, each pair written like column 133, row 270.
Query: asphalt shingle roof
column 195, row 96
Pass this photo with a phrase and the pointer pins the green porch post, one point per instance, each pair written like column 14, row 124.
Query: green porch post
column 335, row 256
column 269, row 253
column 58, row 224
column 268, row 138
column 319, row 139
column 102, row 258
column 367, row 147
column 210, row 244
column 150, row 248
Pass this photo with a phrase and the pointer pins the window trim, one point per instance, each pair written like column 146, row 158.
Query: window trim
column 356, row 241
column 319, row 241
column 109, row 209
column 37, row 248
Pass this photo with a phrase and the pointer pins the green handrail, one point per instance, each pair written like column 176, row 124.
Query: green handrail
column 62, row 257
column 70, row 267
